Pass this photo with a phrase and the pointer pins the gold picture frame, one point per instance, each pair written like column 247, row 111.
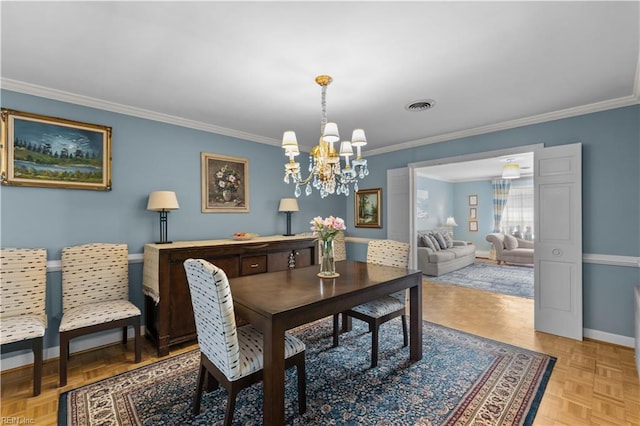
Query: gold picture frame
column 38, row 150
column 473, row 200
column 225, row 183
column 473, row 226
column 368, row 208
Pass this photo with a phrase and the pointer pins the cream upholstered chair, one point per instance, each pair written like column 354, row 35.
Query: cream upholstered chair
column 95, row 296
column 23, row 319
column 389, row 253
column 232, row 356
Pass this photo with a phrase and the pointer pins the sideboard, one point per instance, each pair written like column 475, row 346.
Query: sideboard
column 169, row 313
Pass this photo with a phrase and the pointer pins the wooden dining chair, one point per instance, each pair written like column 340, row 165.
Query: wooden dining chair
column 95, row 296
column 23, row 319
column 379, row 311
column 229, row 355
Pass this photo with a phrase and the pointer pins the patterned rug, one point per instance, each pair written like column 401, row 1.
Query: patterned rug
column 504, row 279
column 462, row 379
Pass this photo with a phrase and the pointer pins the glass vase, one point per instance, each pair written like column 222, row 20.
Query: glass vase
column 327, row 262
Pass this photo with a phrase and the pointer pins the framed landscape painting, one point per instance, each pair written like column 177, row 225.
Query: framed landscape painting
column 225, row 183
column 368, row 208
column 54, row 152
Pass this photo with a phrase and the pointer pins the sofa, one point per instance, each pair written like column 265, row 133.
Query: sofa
column 438, row 253
column 511, row 249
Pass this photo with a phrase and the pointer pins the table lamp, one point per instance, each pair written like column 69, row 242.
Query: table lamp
column 163, row 202
column 450, row 223
column 288, row 205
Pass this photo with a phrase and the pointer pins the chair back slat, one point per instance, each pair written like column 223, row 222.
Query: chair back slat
column 214, row 315
column 23, row 280
column 339, row 247
column 93, row 273
column 388, row 253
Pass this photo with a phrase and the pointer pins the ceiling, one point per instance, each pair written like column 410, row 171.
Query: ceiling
column 482, row 169
column 247, row 69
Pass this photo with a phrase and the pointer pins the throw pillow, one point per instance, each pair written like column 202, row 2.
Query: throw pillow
column 436, row 244
column 447, row 240
column 440, row 239
column 428, row 243
column 510, row 242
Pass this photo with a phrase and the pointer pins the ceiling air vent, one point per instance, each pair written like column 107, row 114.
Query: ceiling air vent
column 421, row 105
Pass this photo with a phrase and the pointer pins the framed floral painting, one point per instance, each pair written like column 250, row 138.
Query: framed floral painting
column 225, row 183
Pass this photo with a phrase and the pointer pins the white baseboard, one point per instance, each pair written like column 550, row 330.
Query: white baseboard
column 21, row 358
column 603, row 336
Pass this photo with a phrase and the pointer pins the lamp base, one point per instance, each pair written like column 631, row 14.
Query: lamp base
column 163, row 242
column 288, row 235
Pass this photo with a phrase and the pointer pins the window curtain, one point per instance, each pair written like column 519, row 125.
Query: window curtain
column 517, row 217
column 500, row 194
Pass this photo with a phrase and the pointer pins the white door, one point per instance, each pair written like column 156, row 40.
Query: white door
column 558, row 240
column 398, row 211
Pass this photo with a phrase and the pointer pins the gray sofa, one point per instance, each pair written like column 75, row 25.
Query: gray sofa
column 511, row 249
column 439, row 254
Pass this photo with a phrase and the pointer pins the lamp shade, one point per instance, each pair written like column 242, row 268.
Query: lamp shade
column 162, row 200
column 288, row 205
column 450, row 222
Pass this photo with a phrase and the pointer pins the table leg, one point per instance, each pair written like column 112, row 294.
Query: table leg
column 415, row 316
column 273, row 375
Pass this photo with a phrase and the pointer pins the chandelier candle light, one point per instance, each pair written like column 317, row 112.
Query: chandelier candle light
column 326, row 230
column 325, row 171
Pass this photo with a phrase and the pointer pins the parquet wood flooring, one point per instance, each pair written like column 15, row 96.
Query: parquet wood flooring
column 593, row 383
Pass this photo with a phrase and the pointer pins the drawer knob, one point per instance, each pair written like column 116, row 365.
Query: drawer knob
column 255, row 265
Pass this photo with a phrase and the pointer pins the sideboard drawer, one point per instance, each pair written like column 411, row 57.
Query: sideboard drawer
column 254, row 265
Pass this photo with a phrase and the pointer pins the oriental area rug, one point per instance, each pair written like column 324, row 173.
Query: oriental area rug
column 504, row 279
column 462, row 379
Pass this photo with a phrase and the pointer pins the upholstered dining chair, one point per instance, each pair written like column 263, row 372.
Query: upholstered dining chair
column 23, row 319
column 339, row 247
column 95, row 296
column 229, row 355
column 379, row 311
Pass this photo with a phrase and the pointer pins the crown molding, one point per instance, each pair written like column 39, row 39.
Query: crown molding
column 58, row 95
column 541, row 118
column 45, row 92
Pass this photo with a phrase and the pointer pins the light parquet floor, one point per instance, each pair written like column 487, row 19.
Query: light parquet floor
column 592, row 383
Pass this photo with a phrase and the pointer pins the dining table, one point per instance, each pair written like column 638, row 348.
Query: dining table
column 278, row 301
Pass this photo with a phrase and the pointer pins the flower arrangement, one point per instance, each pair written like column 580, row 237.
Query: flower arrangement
column 326, row 229
column 227, row 179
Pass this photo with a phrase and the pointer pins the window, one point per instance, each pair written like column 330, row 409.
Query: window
column 517, row 218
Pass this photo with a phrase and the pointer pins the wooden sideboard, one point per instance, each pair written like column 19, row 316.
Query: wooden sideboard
column 169, row 313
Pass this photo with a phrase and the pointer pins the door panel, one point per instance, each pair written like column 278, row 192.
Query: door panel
column 558, row 244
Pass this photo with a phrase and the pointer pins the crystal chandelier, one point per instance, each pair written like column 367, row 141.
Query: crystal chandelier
column 325, row 171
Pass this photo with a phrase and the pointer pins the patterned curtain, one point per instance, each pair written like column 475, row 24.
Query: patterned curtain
column 500, row 194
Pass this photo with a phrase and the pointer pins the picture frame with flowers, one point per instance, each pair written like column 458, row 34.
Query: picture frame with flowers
column 225, row 183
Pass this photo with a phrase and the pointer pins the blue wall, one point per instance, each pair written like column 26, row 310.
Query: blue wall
column 610, row 198
column 438, row 206
column 147, row 156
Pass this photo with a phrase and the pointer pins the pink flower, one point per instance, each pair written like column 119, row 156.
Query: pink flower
column 328, row 228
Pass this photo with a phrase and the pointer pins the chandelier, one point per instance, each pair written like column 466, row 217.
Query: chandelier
column 326, row 173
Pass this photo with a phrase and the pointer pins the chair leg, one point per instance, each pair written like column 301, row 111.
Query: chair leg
column 336, row 332
column 37, row 366
column 231, row 404
column 404, row 331
column 374, row 344
column 202, row 373
column 124, row 335
column 302, row 386
column 64, row 356
column 138, row 341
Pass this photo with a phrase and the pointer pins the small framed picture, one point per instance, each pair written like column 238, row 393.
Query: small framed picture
column 368, row 208
column 473, row 226
column 473, row 213
column 473, row 200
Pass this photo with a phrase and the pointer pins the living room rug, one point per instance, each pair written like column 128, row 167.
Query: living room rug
column 462, row 379
column 504, row 279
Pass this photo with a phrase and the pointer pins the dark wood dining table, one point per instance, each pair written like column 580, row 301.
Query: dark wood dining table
column 277, row 301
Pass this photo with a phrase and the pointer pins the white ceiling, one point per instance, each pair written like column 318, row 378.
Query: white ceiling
column 483, row 169
column 247, row 69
